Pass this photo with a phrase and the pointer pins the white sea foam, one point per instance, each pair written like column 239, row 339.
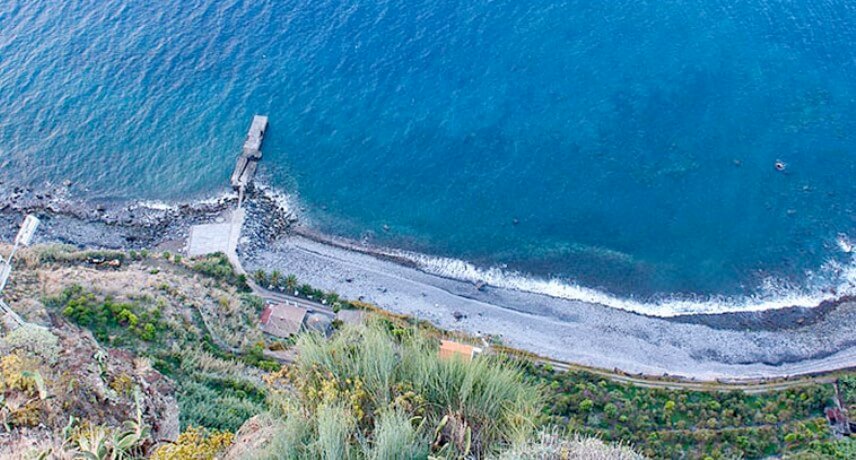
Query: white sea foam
column 157, row 205
column 833, row 281
column 844, row 243
column 284, row 201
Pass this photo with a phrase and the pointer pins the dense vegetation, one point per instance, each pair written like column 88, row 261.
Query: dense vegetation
column 692, row 424
column 219, row 386
column 375, row 391
column 847, row 388
column 217, row 266
column 107, row 319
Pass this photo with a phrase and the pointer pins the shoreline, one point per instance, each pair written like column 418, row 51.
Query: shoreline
column 739, row 345
column 571, row 331
column 771, row 319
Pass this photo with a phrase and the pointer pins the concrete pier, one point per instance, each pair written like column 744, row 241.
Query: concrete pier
column 224, row 236
column 247, row 162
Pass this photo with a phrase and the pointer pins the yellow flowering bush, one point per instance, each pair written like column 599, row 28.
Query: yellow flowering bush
column 195, row 444
column 325, row 388
column 122, row 384
column 12, row 368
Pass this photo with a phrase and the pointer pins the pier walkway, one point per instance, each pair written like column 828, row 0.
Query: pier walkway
column 245, row 166
column 224, row 236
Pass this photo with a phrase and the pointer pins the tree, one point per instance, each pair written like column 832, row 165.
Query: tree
column 261, row 277
column 291, row 283
column 275, row 278
column 331, row 298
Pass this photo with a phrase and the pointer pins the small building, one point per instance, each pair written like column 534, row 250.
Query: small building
column 282, row 320
column 449, row 349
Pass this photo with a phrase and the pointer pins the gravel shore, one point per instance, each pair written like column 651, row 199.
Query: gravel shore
column 578, row 332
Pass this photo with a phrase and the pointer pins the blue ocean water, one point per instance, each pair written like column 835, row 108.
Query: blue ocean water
column 625, row 146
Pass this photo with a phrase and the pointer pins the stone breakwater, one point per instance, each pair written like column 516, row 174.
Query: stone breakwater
column 133, row 225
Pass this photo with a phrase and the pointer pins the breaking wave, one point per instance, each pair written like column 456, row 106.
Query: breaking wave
column 833, row 281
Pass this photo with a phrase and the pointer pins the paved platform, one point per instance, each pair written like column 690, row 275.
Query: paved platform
column 219, row 237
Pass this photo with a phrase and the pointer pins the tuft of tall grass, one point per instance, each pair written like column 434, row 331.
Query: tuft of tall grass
column 550, row 445
column 194, row 360
column 395, row 438
column 489, row 397
column 291, row 439
column 334, row 426
column 488, row 392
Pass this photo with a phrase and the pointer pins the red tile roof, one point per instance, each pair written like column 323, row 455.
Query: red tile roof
column 282, row 320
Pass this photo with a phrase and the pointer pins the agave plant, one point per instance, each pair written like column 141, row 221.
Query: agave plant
column 100, row 443
column 36, row 376
column 92, row 444
column 453, row 432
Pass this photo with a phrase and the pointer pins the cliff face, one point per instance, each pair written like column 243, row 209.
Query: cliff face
column 121, row 351
column 58, row 383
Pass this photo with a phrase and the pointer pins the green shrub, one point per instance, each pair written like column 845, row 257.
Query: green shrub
column 254, row 356
column 217, row 266
column 847, row 389
column 108, row 320
column 214, row 408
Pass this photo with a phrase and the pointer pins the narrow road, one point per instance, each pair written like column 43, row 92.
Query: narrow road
column 747, row 386
column 280, row 297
